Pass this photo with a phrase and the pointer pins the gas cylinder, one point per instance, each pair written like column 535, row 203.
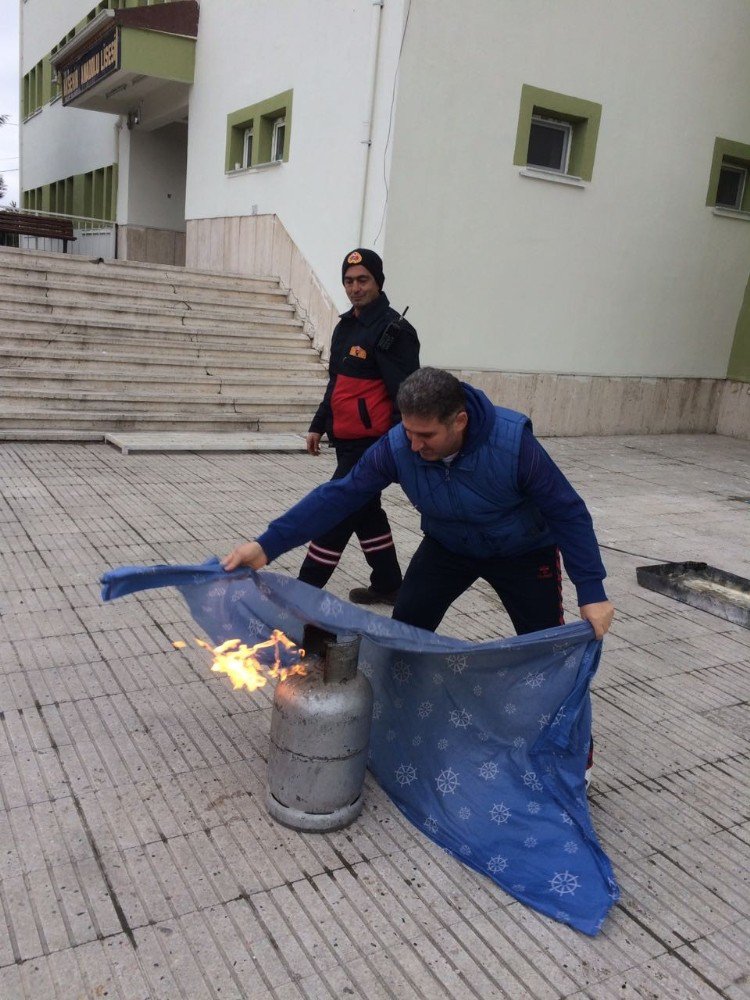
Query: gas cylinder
column 320, row 733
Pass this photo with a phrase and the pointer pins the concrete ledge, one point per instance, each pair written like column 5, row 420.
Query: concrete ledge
column 129, row 442
column 575, row 405
column 734, row 410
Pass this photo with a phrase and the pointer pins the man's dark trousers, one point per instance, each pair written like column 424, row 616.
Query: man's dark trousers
column 529, row 585
column 369, row 523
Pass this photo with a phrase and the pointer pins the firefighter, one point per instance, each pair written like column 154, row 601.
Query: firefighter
column 373, row 349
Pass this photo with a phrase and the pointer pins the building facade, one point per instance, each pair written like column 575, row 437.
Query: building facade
column 559, row 190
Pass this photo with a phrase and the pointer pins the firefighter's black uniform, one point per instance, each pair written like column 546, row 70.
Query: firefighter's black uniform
column 371, row 355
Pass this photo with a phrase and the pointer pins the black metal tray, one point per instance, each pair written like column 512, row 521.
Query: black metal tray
column 701, row 586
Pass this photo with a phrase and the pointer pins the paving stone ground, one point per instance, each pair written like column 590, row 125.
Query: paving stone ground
column 136, row 857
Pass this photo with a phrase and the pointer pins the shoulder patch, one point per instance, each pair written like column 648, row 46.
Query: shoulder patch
column 358, row 352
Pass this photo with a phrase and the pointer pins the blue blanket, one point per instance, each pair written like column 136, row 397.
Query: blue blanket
column 482, row 746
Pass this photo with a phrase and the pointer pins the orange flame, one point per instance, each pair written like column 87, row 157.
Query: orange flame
column 243, row 667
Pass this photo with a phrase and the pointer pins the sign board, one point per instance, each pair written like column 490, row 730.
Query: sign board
column 94, row 65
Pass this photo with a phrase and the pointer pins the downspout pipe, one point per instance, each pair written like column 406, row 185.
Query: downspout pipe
column 376, row 20
column 118, row 127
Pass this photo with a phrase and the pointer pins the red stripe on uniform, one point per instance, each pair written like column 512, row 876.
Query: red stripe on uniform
column 376, row 538
column 326, row 552
column 377, row 548
column 370, row 544
column 313, row 550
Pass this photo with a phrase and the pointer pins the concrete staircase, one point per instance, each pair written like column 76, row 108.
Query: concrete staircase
column 89, row 347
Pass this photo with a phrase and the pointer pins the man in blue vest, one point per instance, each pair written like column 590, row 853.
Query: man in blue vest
column 493, row 504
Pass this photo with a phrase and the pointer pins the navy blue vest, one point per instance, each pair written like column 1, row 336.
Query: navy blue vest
column 472, row 506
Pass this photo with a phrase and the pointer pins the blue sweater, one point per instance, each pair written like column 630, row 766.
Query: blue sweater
column 538, row 483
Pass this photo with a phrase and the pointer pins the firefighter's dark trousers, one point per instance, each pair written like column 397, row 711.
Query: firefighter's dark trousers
column 369, row 524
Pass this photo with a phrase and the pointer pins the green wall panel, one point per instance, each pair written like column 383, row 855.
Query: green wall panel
column 152, row 53
column 739, row 359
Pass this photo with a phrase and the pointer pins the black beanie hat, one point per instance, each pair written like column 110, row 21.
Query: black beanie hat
column 369, row 261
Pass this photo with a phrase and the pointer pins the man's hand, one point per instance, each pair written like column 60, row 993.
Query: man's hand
column 599, row 615
column 248, row 554
column 313, row 443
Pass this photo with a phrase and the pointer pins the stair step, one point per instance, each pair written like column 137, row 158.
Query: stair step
column 14, row 380
column 40, row 287
column 111, row 420
column 193, row 349
column 157, row 392
column 65, row 303
column 14, row 323
column 56, row 263
column 128, row 283
column 262, row 366
column 138, row 399
column 50, row 434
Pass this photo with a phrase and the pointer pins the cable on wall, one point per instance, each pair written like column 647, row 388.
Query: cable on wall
column 390, row 122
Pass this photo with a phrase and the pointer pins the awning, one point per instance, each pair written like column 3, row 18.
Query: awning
column 125, row 58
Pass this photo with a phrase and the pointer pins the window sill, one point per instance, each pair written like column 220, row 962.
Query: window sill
column 254, row 169
column 32, row 114
column 731, row 213
column 539, row 174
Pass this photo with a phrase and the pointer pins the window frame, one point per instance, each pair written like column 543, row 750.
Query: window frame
column 742, row 171
column 276, row 153
column 558, row 125
column 247, row 140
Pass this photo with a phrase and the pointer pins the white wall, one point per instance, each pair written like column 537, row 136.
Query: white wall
column 250, row 51
column 156, row 178
column 59, row 142
column 633, row 275
column 45, row 23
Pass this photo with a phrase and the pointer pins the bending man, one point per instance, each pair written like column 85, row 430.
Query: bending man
column 493, row 503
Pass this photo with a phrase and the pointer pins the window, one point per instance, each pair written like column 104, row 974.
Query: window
column 728, row 188
column 557, row 133
column 247, row 148
column 277, row 140
column 33, row 89
column 731, row 186
column 549, row 143
column 259, row 135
